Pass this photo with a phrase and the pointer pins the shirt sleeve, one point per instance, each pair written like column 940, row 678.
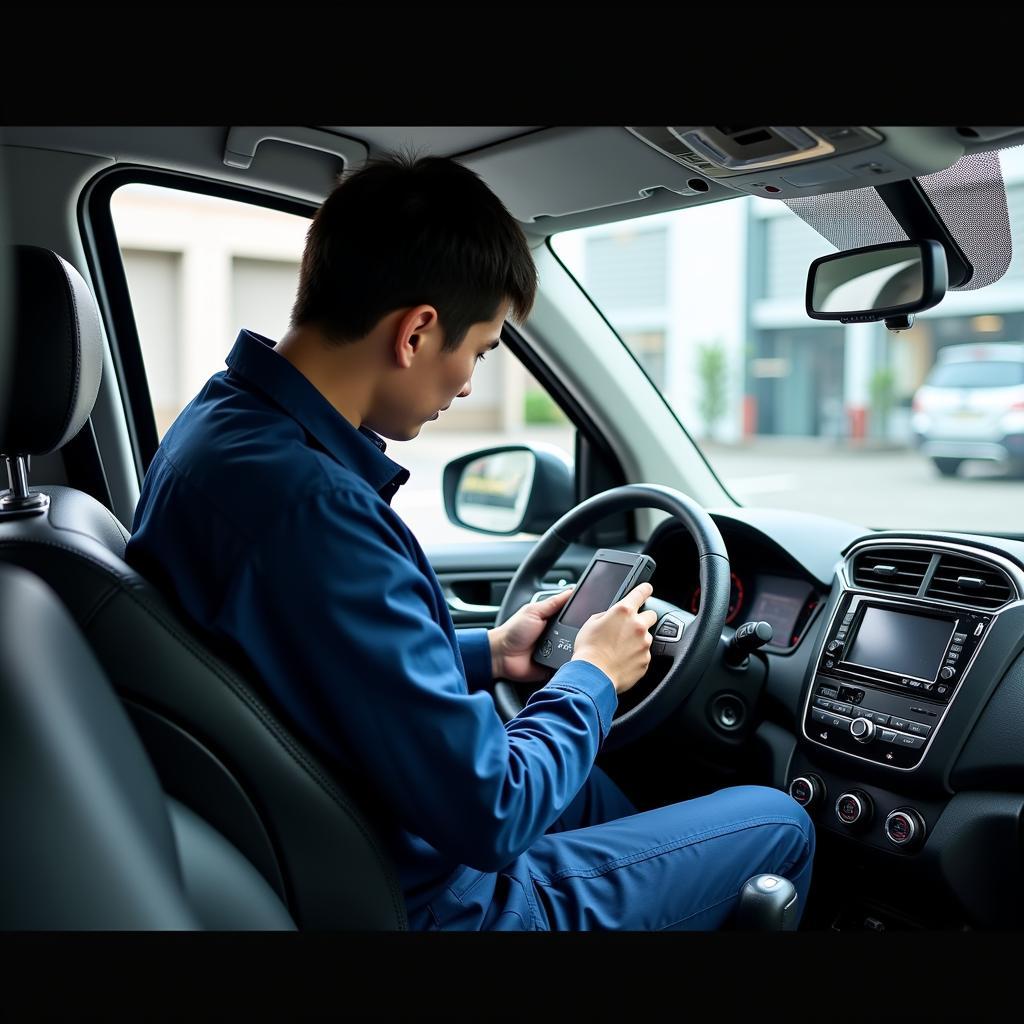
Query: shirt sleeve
column 475, row 648
column 339, row 620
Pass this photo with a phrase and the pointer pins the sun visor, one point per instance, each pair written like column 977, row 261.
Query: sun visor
column 969, row 196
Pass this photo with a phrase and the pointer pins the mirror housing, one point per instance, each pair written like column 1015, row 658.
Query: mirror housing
column 510, row 489
column 887, row 282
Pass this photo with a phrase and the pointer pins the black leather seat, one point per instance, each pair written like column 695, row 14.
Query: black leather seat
column 91, row 840
column 235, row 776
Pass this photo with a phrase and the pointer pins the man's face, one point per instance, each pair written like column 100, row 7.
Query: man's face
column 437, row 377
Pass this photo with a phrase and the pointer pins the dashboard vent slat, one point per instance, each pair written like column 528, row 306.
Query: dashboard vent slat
column 970, row 581
column 891, row 570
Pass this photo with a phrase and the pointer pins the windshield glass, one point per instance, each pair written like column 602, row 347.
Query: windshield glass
column 815, row 415
column 977, row 375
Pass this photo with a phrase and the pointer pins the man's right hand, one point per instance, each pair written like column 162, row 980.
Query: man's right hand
column 617, row 641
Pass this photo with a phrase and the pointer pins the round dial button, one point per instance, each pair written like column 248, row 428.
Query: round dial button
column 904, row 828
column 854, row 808
column 862, row 730
column 807, row 790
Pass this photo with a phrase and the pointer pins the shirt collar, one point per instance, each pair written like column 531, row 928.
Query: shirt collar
column 253, row 358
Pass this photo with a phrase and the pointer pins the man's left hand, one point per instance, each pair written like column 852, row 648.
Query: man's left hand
column 512, row 643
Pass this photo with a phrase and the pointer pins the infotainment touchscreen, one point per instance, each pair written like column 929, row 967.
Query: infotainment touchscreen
column 910, row 645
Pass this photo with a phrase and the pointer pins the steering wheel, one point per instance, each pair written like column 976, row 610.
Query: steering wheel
column 697, row 635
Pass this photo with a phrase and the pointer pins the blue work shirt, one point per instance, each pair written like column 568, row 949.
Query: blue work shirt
column 268, row 517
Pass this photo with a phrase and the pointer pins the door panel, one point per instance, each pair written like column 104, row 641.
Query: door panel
column 474, row 577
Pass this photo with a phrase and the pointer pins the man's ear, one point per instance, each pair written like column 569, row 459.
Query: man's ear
column 413, row 328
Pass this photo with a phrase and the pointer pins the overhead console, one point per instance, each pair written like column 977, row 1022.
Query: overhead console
column 786, row 162
column 607, row 173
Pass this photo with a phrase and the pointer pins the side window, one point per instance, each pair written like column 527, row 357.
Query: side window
column 201, row 268
column 507, row 405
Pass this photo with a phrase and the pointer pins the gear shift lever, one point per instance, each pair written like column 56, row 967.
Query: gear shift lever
column 767, row 903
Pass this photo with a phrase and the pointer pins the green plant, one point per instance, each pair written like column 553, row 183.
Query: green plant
column 539, row 407
column 711, row 369
column 882, row 388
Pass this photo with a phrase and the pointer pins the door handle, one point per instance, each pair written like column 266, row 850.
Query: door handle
column 456, row 604
column 462, row 609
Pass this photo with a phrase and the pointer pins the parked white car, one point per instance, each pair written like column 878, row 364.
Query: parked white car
column 972, row 407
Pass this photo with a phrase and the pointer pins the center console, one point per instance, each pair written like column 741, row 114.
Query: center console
column 886, row 675
column 905, row 759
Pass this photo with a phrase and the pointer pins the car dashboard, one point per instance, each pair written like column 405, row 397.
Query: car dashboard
column 767, row 585
column 890, row 704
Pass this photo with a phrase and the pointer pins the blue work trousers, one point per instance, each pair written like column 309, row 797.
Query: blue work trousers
column 603, row 865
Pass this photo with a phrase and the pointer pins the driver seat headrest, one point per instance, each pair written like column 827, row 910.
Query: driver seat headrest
column 57, row 357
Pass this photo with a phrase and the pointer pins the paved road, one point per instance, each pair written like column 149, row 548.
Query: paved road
column 897, row 488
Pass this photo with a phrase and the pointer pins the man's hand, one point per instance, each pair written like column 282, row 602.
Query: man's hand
column 512, row 643
column 618, row 641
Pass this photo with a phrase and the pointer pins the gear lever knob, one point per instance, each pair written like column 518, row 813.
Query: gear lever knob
column 767, row 903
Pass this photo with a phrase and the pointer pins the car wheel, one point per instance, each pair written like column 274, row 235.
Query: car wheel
column 947, row 467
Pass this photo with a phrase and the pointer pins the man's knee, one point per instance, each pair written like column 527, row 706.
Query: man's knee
column 768, row 801
column 765, row 801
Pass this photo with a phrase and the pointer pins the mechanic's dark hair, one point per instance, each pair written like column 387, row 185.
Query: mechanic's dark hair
column 403, row 230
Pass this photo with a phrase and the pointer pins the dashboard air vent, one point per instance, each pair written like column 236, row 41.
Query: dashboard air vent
column 892, row 570
column 970, row 581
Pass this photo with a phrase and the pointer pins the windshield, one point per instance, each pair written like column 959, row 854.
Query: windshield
column 981, row 374
column 814, row 415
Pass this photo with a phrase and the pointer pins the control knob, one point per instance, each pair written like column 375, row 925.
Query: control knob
column 854, row 809
column 905, row 828
column 862, row 730
column 808, row 791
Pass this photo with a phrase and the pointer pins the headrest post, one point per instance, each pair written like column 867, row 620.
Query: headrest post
column 19, row 501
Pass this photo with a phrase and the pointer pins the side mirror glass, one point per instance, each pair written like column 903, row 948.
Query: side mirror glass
column 493, row 490
column 508, row 490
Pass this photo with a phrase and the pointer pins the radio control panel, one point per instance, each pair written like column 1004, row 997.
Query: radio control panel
column 886, row 672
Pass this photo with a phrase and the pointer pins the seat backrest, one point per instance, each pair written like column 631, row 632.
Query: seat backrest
column 87, row 841
column 91, row 841
column 218, row 746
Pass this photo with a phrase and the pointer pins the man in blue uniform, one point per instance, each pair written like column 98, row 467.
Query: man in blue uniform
column 266, row 512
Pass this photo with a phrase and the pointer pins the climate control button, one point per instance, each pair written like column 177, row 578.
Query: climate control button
column 905, row 828
column 854, row 809
column 808, row 791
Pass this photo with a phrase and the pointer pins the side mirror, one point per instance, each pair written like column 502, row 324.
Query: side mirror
column 878, row 282
column 515, row 488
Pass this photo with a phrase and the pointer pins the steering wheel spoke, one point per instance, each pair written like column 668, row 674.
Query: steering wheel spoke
column 668, row 633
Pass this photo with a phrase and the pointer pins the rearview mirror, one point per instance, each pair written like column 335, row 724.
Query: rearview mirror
column 877, row 282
